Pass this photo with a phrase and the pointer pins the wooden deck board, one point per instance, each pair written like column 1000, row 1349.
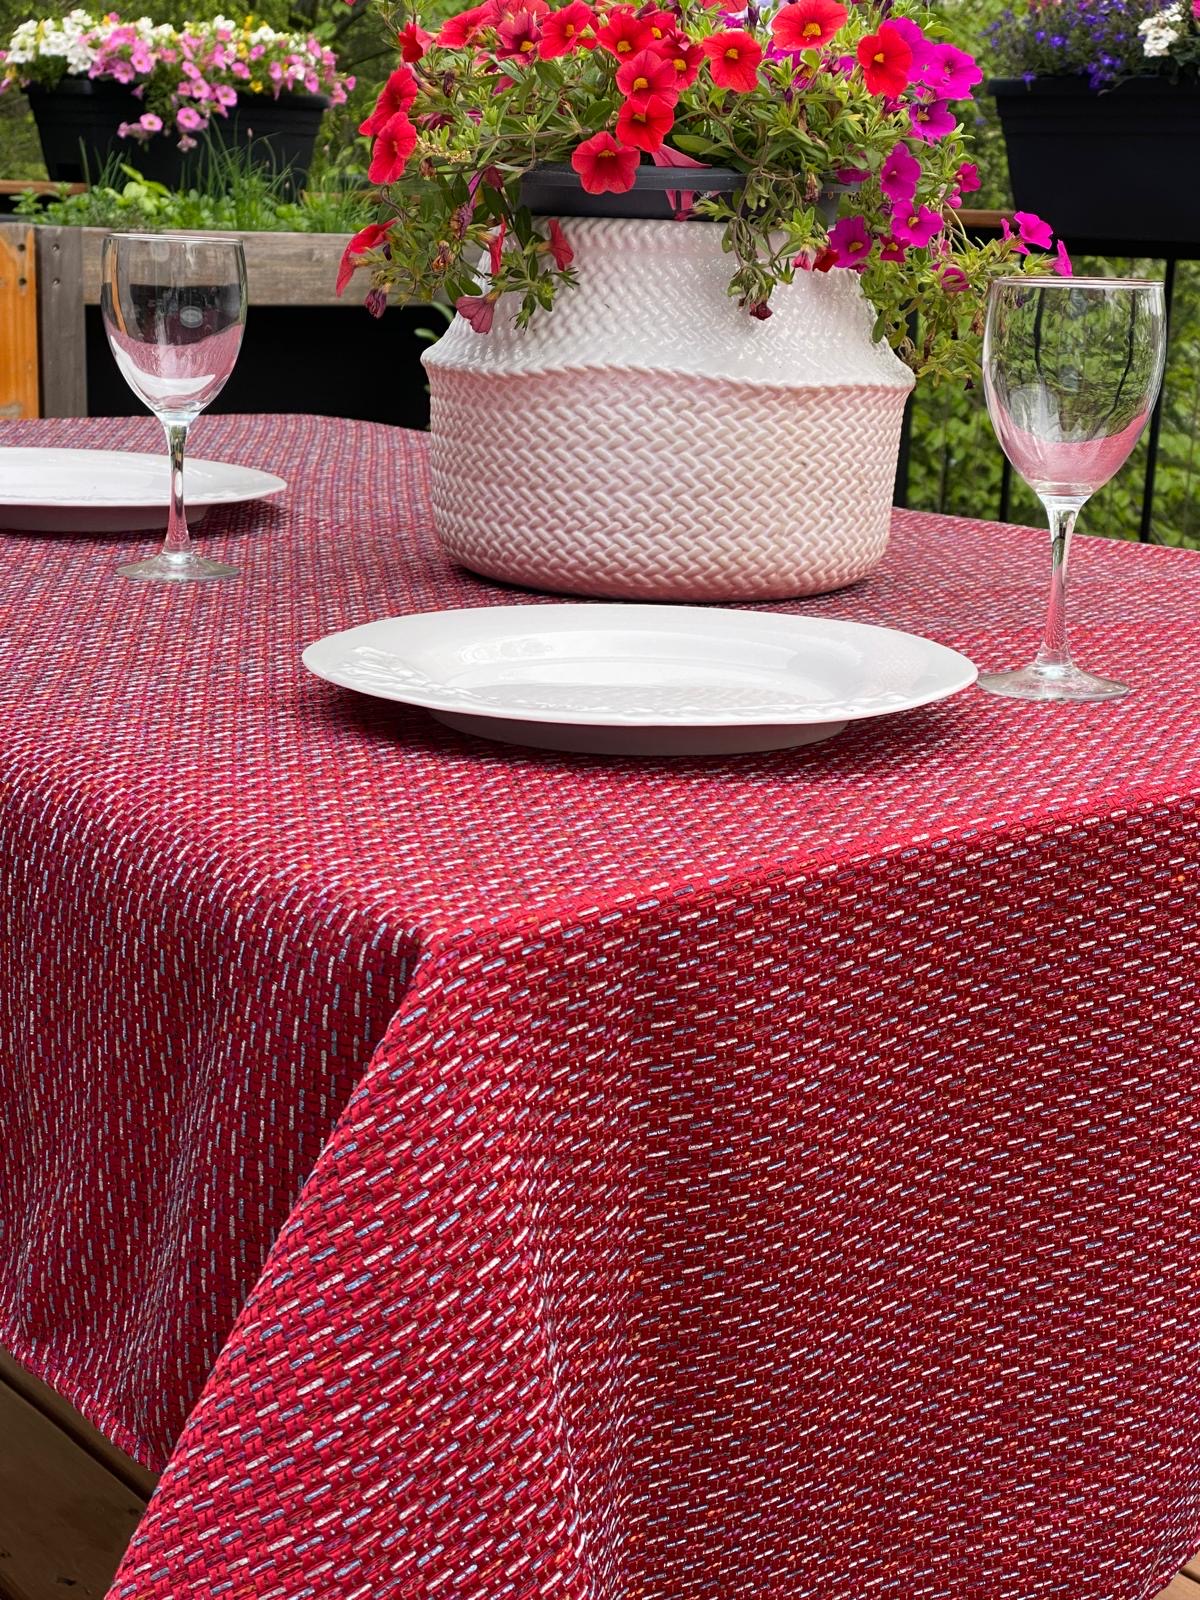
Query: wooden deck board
column 70, row 1501
column 64, row 1518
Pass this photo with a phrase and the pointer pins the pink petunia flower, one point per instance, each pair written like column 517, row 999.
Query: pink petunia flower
column 1033, row 230
column 892, row 250
column 950, row 73
column 479, row 311
column 518, row 35
column 968, row 177
column 850, row 242
column 189, row 119
column 900, row 173
column 916, row 41
column 915, row 225
column 150, row 122
column 931, row 120
column 954, row 280
column 1062, row 265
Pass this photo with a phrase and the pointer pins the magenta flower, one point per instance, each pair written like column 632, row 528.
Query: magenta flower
column 899, row 174
column 950, row 73
column 916, row 42
column 954, row 280
column 189, row 118
column 850, row 242
column 931, row 120
column 893, row 250
column 915, row 225
column 1033, row 230
column 1062, row 265
column 968, row 177
column 851, row 175
column 1006, row 234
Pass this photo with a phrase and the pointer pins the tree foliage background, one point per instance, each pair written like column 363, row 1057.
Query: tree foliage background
column 955, row 463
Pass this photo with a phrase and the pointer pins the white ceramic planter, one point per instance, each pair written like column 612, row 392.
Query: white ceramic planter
column 648, row 440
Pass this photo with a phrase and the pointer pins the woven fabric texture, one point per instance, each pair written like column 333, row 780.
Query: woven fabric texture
column 590, row 1179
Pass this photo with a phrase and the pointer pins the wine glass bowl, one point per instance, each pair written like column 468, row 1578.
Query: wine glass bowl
column 174, row 310
column 1072, row 368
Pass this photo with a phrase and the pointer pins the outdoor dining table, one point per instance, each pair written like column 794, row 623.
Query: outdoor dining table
column 480, row 1173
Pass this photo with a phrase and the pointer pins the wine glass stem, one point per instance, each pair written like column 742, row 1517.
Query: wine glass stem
column 1055, row 651
column 178, row 541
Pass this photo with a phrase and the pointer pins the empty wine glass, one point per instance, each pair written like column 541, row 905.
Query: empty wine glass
column 1071, row 370
column 174, row 310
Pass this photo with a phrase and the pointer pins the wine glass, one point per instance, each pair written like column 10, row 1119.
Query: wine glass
column 1071, row 371
column 174, row 310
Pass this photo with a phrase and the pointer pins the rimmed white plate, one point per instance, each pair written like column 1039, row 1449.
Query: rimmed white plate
column 640, row 680
column 114, row 491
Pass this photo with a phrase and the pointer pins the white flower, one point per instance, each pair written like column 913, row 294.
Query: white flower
column 1159, row 33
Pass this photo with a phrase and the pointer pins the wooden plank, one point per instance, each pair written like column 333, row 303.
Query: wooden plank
column 1181, row 1588
column 61, row 347
column 64, row 1416
column 64, row 1520
column 38, row 186
column 18, row 321
column 1192, row 1570
column 981, row 219
column 282, row 269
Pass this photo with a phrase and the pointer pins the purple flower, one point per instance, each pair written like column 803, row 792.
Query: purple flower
column 850, row 242
column 900, row 174
column 915, row 225
column 931, row 120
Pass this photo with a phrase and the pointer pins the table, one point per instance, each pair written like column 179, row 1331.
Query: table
column 576, row 1178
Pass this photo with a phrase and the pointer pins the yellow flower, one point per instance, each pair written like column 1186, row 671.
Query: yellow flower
column 255, row 85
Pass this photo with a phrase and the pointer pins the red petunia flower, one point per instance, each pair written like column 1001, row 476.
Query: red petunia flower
column 886, row 60
column 684, row 58
column 465, row 27
column 413, row 42
column 478, row 309
column 496, row 248
column 394, row 143
column 807, row 24
column 604, row 166
column 893, row 250
column 647, row 74
column 661, row 24
column 518, row 35
column 368, row 238
column 734, row 57
column 624, row 34
column 645, row 123
column 567, row 30
column 397, row 94
column 559, row 248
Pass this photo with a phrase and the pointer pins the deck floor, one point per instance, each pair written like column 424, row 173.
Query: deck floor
column 69, row 1500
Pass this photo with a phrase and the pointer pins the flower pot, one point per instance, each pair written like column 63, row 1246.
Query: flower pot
column 648, row 440
column 77, row 123
column 1110, row 166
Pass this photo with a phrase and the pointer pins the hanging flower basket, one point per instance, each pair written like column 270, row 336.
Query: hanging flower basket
column 80, row 119
column 1073, row 151
column 155, row 96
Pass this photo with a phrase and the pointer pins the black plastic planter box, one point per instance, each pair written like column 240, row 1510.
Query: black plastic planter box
column 77, row 122
column 1120, row 165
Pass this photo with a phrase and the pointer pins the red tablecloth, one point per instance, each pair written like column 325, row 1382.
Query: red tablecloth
column 759, row 1179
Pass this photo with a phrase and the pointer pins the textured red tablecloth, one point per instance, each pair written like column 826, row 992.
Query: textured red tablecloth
column 761, row 1179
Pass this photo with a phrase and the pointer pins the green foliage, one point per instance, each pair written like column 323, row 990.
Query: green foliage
column 229, row 193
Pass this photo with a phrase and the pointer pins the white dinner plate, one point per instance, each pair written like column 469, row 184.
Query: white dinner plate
column 640, row 680
column 114, row 491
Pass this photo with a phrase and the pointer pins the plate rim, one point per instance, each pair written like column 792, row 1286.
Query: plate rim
column 586, row 719
column 199, row 497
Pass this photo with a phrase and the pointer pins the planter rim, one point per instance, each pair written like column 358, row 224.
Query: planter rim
column 1075, row 83
column 555, row 189
column 79, row 84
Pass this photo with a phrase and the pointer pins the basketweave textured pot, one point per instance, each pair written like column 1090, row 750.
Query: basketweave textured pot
column 648, row 440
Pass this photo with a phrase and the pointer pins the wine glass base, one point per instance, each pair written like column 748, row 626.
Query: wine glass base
column 186, row 567
column 1070, row 684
